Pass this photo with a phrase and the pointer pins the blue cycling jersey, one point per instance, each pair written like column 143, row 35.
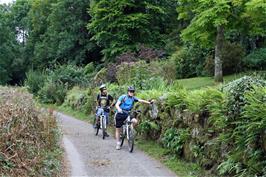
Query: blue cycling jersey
column 127, row 102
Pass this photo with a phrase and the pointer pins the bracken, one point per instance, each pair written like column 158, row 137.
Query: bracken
column 27, row 136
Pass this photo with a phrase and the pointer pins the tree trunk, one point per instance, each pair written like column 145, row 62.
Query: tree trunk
column 218, row 71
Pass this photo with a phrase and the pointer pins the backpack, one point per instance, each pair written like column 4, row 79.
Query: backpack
column 123, row 100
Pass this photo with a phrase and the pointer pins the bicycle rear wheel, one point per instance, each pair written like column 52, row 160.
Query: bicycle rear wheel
column 130, row 139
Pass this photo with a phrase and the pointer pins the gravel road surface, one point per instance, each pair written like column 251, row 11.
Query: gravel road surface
column 90, row 155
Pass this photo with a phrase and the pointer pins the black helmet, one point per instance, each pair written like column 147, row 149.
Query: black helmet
column 131, row 88
column 102, row 87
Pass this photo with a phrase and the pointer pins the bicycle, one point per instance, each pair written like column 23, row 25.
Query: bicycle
column 101, row 123
column 128, row 132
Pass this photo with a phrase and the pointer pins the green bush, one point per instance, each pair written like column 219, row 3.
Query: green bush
column 141, row 73
column 150, row 94
column 100, row 77
column 52, row 86
column 174, row 140
column 34, row 81
column 149, row 129
column 177, row 99
column 189, row 62
column 53, row 92
column 70, row 75
column 80, row 100
column 75, row 98
column 236, row 91
column 197, row 101
column 58, row 81
column 89, row 68
column 133, row 73
column 116, row 90
column 157, row 83
column 232, row 56
column 165, row 69
column 248, row 157
column 256, row 60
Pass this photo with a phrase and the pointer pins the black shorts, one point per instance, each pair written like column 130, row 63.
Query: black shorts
column 119, row 119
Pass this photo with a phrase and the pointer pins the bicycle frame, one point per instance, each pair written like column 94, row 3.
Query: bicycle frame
column 102, row 121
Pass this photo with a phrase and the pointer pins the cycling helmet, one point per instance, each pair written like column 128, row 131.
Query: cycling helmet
column 131, row 88
column 102, row 87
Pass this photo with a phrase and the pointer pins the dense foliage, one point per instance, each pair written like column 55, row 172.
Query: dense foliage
column 256, row 59
column 8, row 47
column 36, row 35
column 121, row 26
column 52, row 86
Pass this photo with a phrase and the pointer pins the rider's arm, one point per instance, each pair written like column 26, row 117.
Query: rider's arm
column 113, row 103
column 117, row 106
column 144, row 101
column 119, row 102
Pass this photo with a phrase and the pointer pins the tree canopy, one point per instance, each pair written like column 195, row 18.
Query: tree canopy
column 40, row 34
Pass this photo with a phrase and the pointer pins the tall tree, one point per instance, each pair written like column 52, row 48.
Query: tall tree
column 19, row 24
column 210, row 18
column 37, row 47
column 120, row 26
column 8, row 45
column 62, row 36
column 68, row 35
column 211, row 21
column 255, row 15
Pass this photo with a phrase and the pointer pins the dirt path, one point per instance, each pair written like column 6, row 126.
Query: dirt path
column 89, row 155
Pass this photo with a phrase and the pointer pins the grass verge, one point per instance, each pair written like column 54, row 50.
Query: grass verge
column 201, row 82
column 179, row 167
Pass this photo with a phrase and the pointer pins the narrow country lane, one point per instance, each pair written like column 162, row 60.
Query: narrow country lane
column 89, row 155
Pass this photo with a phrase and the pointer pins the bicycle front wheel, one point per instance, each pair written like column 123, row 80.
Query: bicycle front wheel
column 122, row 136
column 97, row 128
column 131, row 138
column 103, row 122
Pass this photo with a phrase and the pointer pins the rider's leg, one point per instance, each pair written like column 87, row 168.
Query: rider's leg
column 134, row 121
column 117, row 134
column 119, row 120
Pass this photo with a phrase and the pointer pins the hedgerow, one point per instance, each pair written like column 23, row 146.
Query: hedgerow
column 28, row 137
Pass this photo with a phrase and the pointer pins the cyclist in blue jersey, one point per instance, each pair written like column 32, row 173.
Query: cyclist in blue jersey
column 124, row 104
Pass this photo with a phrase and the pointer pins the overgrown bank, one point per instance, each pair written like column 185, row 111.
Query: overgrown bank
column 28, row 137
